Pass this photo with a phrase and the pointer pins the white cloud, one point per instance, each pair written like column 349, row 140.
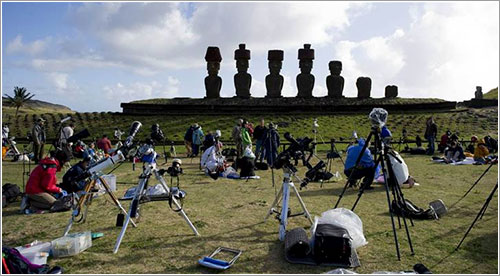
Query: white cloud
column 59, row 80
column 448, row 50
column 18, row 46
column 141, row 90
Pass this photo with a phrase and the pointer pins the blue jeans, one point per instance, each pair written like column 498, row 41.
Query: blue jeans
column 259, row 150
column 430, row 147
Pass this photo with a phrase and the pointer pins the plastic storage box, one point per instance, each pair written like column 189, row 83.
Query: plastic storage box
column 36, row 252
column 71, row 244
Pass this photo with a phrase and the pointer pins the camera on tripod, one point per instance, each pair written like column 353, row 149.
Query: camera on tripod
column 296, row 151
column 175, row 169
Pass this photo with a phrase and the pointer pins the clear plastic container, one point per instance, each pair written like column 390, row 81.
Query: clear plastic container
column 71, row 244
column 36, row 252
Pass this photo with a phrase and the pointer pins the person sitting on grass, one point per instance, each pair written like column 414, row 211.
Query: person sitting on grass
column 365, row 168
column 74, row 178
column 41, row 188
column 481, row 152
column 454, row 153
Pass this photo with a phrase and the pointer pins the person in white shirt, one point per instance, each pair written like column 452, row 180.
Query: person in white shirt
column 66, row 132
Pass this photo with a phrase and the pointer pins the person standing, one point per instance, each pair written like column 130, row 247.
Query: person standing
column 259, row 136
column 246, row 139
column 66, row 132
column 271, row 144
column 38, row 135
column 188, row 140
column 197, row 139
column 430, row 135
column 236, row 135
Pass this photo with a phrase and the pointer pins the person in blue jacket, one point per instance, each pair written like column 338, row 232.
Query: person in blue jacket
column 365, row 168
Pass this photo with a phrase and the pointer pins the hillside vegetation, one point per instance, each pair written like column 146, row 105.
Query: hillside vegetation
column 467, row 121
column 492, row 94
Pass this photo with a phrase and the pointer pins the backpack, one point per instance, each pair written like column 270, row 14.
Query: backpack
column 410, row 210
column 11, row 192
column 18, row 264
column 332, row 244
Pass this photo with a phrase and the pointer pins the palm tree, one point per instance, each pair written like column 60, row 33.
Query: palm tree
column 21, row 96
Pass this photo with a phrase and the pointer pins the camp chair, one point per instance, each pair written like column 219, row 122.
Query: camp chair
column 212, row 262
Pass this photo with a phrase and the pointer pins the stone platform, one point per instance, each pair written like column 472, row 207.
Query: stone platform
column 285, row 105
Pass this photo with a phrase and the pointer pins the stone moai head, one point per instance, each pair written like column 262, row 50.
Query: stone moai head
column 364, row 85
column 335, row 67
column 306, row 57
column 242, row 56
column 213, row 58
column 275, row 58
column 391, row 91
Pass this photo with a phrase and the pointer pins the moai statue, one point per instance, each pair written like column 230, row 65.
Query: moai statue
column 213, row 83
column 364, row 85
column 335, row 82
column 391, row 91
column 274, row 81
column 242, row 80
column 479, row 93
column 305, row 80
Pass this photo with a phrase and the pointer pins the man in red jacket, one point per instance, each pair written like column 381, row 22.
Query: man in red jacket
column 41, row 186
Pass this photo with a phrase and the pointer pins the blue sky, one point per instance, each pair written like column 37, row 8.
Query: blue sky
column 93, row 56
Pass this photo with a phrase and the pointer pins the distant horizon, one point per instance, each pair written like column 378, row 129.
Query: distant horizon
column 92, row 56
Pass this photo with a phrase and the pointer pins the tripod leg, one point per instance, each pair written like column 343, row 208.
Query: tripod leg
column 400, row 195
column 384, row 171
column 284, row 211
column 308, row 216
column 483, row 209
column 114, row 199
column 477, row 181
column 177, row 205
column 275, row 202
column 132, row 211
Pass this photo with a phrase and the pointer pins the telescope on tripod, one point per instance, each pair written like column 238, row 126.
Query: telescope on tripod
column 147, row 154
column 94, row 174
column 383, row 155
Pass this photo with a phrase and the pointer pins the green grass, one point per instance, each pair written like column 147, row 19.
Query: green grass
column 492, row 94
column 467, row 121
column 231, row 213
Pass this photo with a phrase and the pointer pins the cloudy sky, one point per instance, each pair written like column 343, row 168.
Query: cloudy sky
column 93, row 56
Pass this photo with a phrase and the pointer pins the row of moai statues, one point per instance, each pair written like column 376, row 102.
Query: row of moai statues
column 274, row 81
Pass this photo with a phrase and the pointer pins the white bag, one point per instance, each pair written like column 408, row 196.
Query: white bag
column 346, row 219
column 399, row 168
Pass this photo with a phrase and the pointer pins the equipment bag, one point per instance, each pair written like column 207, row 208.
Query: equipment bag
column 11, row 192
column 62, row 204
column 18, row 264
column 261, row 166
column 332, row 244
column 411, row 210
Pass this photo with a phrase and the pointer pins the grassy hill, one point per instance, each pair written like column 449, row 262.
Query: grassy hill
column 492, row 94
column 467, row 121
column 35, row 107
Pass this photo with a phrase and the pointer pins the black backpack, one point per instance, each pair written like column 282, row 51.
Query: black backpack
column 410, row 210
column 11, row 192
column 332, row 244
column 63, row 204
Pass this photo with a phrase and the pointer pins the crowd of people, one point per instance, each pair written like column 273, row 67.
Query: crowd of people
column 42, row 190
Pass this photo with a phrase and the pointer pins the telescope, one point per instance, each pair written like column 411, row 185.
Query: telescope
column 79, row 136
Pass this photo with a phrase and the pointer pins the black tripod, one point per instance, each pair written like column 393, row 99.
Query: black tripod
column 479, row 215
column 493, row 162
column 382, row 157
column 334, row 153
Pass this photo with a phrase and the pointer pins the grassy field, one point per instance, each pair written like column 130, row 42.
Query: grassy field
column 231, row 213
column 467, row 121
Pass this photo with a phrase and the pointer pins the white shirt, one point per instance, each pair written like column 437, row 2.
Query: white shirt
column 66, row 132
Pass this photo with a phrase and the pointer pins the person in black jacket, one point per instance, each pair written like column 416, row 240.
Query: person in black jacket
column 74, row 179
column 259, row 134
column 430, row 135
column 271, row 144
